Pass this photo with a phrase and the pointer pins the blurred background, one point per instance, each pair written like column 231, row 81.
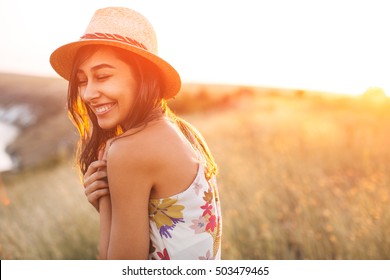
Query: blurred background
column 291, row 96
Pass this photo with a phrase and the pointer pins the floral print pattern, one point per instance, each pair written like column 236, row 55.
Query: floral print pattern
column 187, row 225
column 166, row 214
column 164, row 255
column 207, row 257
column 199, row 225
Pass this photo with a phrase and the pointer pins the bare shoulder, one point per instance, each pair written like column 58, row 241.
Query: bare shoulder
column 160, row 153
column 152, row 146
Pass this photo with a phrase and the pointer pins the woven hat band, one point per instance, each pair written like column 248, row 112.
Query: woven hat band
column 114, row 37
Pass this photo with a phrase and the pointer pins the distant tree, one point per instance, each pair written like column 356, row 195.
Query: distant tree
column 375, row 93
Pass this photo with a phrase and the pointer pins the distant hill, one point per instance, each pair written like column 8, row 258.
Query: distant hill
column 40, row 96
column 37, row 105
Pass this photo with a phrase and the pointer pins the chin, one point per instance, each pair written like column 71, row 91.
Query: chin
column 107, row 125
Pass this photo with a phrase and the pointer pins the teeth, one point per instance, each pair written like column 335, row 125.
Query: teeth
column 104, row 108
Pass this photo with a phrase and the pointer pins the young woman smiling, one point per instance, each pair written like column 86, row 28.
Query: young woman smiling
column 149, row 173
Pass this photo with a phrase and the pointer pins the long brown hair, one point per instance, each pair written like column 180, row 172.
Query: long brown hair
column 148, row 105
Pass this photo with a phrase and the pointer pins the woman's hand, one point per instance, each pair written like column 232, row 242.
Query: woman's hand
column 95, row 181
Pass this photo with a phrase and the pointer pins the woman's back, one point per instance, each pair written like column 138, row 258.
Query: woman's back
column 183, row 207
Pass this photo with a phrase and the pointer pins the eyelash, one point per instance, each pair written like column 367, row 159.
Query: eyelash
column 81, row 83
column 102, row 77
column 98, row 77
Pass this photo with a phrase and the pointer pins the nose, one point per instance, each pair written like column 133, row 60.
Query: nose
column 89, row 92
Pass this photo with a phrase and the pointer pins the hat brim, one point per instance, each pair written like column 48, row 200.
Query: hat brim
column 62, row 60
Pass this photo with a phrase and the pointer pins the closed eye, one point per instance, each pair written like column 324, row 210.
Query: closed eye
column 82, row 79
column 82, row 82
column 102, row 77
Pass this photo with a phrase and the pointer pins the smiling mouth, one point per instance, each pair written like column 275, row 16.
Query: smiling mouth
column 102, row 109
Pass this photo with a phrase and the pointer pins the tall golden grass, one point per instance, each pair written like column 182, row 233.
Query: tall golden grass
column 47, row 217
column 301, row 177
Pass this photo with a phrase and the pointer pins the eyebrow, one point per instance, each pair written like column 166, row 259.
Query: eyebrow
column 99, row 66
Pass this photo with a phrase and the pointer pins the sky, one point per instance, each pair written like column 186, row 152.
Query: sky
column 340, row 46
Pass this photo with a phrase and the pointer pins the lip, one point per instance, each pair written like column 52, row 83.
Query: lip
column 103, row 109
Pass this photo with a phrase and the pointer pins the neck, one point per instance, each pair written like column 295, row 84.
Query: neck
column 154, row 115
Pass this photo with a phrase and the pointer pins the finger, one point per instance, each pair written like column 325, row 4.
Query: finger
column 100, row 184
column 100, row 175
column 94, row 166
column 96, row 185
column 95, row 196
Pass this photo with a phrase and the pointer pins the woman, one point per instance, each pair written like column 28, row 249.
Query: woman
column 148, row 173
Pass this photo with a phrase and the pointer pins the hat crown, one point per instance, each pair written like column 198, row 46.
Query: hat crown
column 124, row 22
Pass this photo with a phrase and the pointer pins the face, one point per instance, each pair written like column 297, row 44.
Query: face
column 108, row 86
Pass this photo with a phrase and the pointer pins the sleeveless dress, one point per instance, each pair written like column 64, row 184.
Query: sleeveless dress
column 187, row 225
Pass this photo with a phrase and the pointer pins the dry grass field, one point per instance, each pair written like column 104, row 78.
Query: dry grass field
column 301, row 176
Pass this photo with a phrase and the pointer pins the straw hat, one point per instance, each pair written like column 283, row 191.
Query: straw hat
column 123, row 28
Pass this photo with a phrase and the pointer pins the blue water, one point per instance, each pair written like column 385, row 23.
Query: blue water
column 7, row 134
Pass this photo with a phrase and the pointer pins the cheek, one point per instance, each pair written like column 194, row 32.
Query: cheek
column 128, row 102
column 130, row 96
column 81, row 97
column 125, row 102
column 127, row 95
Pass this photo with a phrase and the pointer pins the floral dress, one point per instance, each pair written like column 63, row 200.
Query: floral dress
column 187, row 225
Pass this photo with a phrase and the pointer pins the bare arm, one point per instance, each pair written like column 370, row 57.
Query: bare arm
column 130, row 184
column 97, row 192
column 105, row 226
